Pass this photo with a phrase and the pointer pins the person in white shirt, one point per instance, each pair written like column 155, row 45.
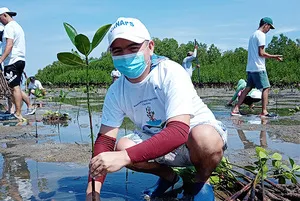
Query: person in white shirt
column 252, row 97
column 257, row 76
column 115, row 74
column 174, row 126
column 34, row 86
column 187, row 61
column 13, row 56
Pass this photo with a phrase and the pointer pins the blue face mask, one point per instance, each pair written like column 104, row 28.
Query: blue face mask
column 131, row 65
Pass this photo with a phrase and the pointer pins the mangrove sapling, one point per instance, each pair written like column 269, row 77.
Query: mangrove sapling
column 85, row 47
column 276, row 92
column 62, row 97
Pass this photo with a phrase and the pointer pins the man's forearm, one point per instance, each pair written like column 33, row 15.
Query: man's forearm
column 268, row 56
column 6, row 52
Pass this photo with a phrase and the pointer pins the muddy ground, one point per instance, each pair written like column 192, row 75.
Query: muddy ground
column 24, row 137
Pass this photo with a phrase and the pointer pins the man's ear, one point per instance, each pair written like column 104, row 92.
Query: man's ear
column 151, row 46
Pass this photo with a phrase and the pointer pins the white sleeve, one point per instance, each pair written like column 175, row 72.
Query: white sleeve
column 9, row 32
column 39, row 85
column 195, row 53
column 112, row 115
column 178, row 91
column 261, row 39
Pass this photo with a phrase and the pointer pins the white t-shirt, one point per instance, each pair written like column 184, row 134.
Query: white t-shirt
column 255, row 62
column 115, row 73
column 14, row 31
column 187, row 63
column 166, row 92
column 36, row 85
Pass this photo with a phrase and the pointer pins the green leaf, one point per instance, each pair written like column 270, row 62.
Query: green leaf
column 214, row 179
column 296, row 168
column 260, row 149
column 71, row 31
column 287, row 175
column 265, row 168
column 292, row 162
column 69, row 59
column 277, row 156
column 83, row 44
column 262, row 155
column 99, row 35
column 294, row 180
column 264, row 176
column 277, row 164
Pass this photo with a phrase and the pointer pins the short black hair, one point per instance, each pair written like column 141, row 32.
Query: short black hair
column 262, row 22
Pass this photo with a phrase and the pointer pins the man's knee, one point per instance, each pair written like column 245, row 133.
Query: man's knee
column 124, row 143
column 204, row 140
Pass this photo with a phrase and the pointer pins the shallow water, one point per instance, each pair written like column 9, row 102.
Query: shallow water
column 23, row 179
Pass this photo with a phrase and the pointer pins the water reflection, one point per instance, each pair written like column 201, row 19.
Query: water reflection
column 23, row 179
column 15, row 178
column 262, row 137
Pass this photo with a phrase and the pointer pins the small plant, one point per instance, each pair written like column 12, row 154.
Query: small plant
column 276, row 92
column 85, row 47
column 236, row 185
column 50, row 117
column 282, row 172
column 294, row 110
column 62, row 97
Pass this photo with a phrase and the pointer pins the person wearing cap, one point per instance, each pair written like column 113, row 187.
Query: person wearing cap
column 187, row 61
column 252, row 97
column 174, row 127
column 115, row 74
column 257, row 76
column 34, row 86
column 13, row 56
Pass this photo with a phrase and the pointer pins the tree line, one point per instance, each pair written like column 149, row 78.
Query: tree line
column 216, row 67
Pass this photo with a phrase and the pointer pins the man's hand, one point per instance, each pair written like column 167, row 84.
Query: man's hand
column 198, row 65
column 107, row 162
column 279, row 57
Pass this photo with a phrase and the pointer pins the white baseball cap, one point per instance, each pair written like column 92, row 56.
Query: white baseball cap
column 6, row 10
column 128, row 28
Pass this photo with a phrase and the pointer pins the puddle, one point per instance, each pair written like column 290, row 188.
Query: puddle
column 23, row 179
column 31, row 180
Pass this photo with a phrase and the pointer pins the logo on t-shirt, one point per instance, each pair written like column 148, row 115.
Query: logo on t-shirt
column 151, row 115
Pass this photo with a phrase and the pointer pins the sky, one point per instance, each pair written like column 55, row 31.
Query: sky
column 226, row 23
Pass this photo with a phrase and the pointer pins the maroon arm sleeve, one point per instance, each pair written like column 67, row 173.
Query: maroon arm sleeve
column 171, row 137
column 103, row 143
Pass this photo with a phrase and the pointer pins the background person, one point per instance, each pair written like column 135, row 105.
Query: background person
column 252, row 97
column 13, row 56
column 115, row 74
column 35, row 87
column 187, row 61
column 175, row 127
column 257, row 76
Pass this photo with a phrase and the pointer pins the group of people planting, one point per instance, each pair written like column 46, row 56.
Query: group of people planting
column 175, row 128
